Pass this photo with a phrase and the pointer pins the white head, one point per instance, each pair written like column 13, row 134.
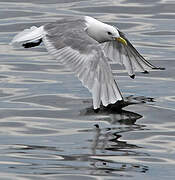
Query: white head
column 102, row 32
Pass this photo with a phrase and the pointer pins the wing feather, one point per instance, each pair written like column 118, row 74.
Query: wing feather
column 127, row 56
column 89, row 64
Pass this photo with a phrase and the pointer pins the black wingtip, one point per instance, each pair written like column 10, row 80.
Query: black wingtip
column 132, row 76
column 97, row 126
column 145, row 72
column 32, row 44
column 96, row 110
column 159, row 68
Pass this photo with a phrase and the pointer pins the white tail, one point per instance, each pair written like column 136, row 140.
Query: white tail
column 29, row 35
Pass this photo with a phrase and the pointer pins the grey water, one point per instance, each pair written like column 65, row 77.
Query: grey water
column 48, row 129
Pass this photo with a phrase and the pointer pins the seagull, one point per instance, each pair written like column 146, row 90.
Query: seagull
column 86, row 46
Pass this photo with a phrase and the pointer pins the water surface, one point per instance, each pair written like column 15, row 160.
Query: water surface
column 47, row 127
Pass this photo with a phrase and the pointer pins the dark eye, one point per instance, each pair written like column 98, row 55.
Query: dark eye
column 109, row 33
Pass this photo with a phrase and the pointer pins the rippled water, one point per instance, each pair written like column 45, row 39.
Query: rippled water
column 47, row 127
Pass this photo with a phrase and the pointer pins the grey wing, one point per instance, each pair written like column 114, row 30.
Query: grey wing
column 127, row 56
column 76, row 50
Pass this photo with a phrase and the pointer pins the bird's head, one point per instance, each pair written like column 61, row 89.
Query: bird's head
column 112, row 33
column 102, row 32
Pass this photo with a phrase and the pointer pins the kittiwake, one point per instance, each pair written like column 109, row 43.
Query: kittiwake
column 86, row 45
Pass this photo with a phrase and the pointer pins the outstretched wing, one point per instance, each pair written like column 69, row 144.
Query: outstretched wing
column 83, row 55
column 127, row 56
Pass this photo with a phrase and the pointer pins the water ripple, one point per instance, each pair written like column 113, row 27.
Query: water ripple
column 47, row 125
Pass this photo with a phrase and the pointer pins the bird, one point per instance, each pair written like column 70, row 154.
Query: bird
column 86, row 46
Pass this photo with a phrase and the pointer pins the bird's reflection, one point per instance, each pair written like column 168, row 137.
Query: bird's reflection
column 107, row 141
column 115, row 113
column 119, row 120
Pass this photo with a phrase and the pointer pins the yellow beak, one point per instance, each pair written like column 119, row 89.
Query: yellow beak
column 123, row 41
